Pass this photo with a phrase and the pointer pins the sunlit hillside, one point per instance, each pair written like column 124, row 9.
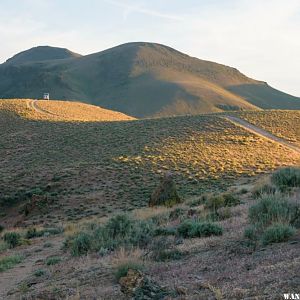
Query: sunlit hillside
column 60, row 111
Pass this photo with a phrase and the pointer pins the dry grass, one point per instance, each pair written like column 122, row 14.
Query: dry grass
column 61, row 111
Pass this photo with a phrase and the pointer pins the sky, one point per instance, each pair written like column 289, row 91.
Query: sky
column 261, row 38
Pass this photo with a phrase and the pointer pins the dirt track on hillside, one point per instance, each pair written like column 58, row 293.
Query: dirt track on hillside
column 261, row 132
column 33, row 104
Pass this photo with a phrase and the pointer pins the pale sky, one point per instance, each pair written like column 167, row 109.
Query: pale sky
column 261, row 38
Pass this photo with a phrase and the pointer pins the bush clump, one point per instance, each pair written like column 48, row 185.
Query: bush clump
column 13, row 239
column 270, row 209
column 222, row 200
column 166, row 193
column 167, row 254
column 119, row 231
column 215, row 202
column 33, row 232
column 123, row 268
column 53, row 260
column 262, row 189
column 286, row 177
column 81, row 244
column 277, row 233
column 9, row 262
column 194, row 228
column 273, row 219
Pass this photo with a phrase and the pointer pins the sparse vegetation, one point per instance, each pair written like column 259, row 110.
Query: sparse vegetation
column 194, row 228
column 53, row 260
column 119, row 231
column 286, row 178
column 39, row 272
column 13, row 239
column 99, row 191
column 277, row 233
column 272, row 219
column 9, row 262
column 122, row 269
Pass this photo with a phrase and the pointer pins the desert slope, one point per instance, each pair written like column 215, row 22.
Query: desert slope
column 138, row 79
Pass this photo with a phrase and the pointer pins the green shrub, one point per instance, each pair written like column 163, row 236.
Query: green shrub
column 194, row 228
column 165, row 231
column 81, row 244
column 167, row 254
column 277, row 233
column 215, row 202
column 9, row 262
column 286, row 177
column 1, row 228
column 31, row 233
column 270, row 209
column 223, row 213
column 122, row 269
column 263, row 189
column 52, row 231
column 39, row 272
column 119, row 226
column 177, row 213
column 251, row 233
column 230, row 200
column 295, row 219
column 166, row 193
column 3, row 246
column 53, row 260
column 119, row 231
column 13, row 239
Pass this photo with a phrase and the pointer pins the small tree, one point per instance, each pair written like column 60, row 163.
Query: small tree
column 166, row 193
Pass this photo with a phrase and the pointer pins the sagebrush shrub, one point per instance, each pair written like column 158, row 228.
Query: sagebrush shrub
column 230, row 200
column 270, row 209
column 277, row 233
column 194, row 228
column 53, row 260
column 123, row 268
column 263, row 189
column 13, row 239
column 215, row 202
column 8, row 262
column 81, row 244
column 286, row 177
column 119, row 231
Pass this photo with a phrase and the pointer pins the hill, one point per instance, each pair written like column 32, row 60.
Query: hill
column 60, row 111
column 138, row 79
column 41, row 53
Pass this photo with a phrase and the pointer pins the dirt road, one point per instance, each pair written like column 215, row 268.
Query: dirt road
column 261, row 132
column 33, row 104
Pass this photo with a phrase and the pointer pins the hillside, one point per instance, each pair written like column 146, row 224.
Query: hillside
column 138, row 79
column 116, row 164
column 60, row 111
column 73, row 199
